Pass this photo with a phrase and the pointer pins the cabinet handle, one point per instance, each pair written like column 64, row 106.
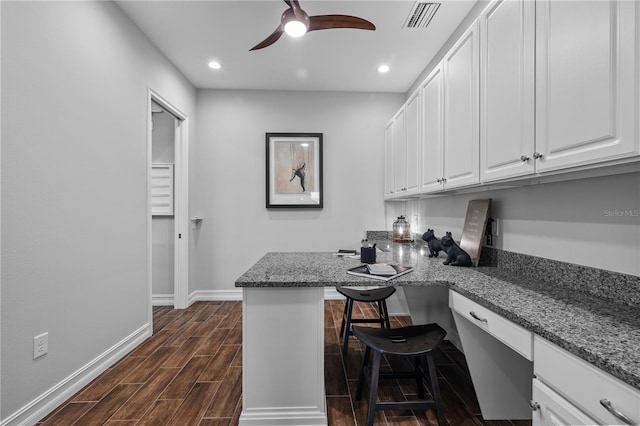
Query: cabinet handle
column 534, row 405
column 439, row 180
column 537, row 155
column 524, row 158
column 607, row 404
column 444, row 180
column 474, row 315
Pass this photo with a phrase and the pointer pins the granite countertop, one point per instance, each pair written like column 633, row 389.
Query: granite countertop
column 603, row 332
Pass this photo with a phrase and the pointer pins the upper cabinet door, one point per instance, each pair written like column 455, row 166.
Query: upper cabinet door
column 399, row 153
column 432, row 98
column 412, row 135
column 461, row 116
column 388, row 161
column 586, row 82
column 507, row 89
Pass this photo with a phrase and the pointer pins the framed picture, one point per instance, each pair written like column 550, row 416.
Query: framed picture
column 294, row 170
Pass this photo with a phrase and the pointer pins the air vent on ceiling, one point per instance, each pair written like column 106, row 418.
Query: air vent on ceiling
column 421, row 15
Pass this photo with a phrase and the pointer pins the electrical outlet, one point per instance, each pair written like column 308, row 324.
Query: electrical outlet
column 40, row 345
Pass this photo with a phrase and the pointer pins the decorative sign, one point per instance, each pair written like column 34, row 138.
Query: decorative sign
column 474, row 228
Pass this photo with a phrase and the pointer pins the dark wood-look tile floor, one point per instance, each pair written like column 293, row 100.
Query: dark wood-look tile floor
column 190, row 373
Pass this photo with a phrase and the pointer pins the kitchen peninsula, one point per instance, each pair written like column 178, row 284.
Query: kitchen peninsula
column 598, row 326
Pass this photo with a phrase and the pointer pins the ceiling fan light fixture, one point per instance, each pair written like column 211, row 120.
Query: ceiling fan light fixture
column 296, row 22
column 215, row 65
column 295, row 28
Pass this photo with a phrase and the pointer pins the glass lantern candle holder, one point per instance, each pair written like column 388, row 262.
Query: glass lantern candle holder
column 402, row 231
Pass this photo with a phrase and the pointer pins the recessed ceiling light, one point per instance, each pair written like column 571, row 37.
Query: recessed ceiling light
column 215, row 65
column 383, row 68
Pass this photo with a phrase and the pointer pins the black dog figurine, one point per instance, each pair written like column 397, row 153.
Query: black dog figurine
column 455, row 255
column 433, row 242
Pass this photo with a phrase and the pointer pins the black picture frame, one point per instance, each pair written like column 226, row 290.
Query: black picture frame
column 294, row 170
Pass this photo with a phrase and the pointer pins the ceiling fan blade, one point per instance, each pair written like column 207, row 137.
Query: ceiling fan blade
column 325, row 22
column 269, row 40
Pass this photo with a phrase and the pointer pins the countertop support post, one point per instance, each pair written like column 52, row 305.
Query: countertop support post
column 283, row 356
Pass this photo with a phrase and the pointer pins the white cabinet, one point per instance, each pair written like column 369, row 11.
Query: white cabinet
column 499, row 355
column 412, row 138
column 565, row 390
column 512, row 335
column 388, row 162
column 399, row 153
column 531, row 89
column 585, row 88
column 586, row 82
column 450, row 151
column 461, row 117
column 432, row 98
column 507, row 32
column 551, row 409
column 597, row 394
column 402, row 151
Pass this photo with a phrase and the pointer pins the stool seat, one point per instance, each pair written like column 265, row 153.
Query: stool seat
column 414, row 341
column 367, row 295
column 406, row 341
column 377, row 295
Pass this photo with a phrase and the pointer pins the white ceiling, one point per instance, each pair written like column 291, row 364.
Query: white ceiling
column 192, row 33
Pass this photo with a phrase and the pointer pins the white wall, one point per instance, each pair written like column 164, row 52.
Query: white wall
column 75, row 77
column 593, row 222
column 229, row 177
column 162, row 227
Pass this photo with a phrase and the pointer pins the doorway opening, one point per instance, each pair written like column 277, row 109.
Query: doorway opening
column 162, row 206
column 167, row 245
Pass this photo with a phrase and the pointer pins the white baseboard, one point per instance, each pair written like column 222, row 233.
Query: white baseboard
column 162, row 300
column 58, row 394
column 209, row 295
column 283, row 417
column 330, row 293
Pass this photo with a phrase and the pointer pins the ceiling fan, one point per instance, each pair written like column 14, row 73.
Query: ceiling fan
column 296, row 22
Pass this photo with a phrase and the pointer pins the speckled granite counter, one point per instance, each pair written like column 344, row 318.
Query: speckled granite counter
column 604, row 332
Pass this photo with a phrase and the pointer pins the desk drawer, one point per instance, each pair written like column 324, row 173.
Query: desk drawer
column 512, row 335
column 585, row 385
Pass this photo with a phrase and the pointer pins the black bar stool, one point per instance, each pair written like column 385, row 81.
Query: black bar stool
column 415, row 341
column 378, row 295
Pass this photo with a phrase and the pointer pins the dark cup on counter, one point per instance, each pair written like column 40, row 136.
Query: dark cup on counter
column 368, row 255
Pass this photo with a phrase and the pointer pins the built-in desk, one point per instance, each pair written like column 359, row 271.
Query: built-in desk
column 283, row 324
